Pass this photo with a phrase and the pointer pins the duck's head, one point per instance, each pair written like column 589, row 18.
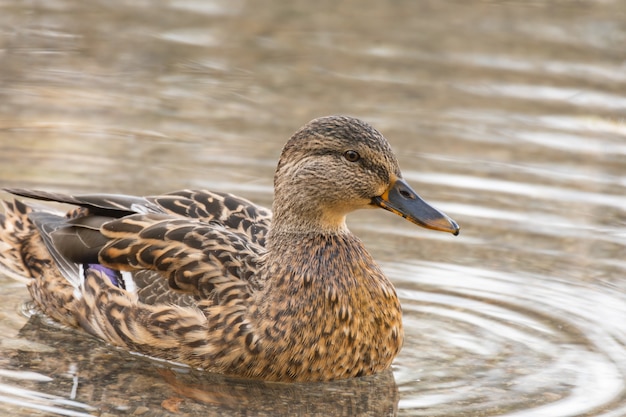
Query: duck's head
column 334, row 165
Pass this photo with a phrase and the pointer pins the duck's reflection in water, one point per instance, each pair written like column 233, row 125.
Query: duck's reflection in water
column 114, row 381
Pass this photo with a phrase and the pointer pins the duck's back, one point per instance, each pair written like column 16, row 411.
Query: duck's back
column 234, row 213
column 229, row 228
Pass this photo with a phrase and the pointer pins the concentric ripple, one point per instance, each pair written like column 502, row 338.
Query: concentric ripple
column 486, row 342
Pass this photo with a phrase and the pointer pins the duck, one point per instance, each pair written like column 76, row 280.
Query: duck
column 216, row 282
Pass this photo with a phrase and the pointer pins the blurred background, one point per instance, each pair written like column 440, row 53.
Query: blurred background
column 510, row 116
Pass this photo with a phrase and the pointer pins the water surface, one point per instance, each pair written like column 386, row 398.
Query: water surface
column 509, row 116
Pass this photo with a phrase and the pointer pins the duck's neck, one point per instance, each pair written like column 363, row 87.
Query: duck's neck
column 280, row 237
column 300, row 241
column 292, row 217
column 318, row 260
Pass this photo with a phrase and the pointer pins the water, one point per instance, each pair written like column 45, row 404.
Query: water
column 509, row 116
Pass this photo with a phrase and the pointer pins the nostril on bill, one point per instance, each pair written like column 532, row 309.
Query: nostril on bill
column 407, row 195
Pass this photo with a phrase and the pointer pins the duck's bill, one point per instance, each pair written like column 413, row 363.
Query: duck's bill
column 403, row 201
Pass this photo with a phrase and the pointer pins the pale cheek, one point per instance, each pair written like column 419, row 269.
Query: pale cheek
column 358, row 204
column 336, row 213
column 381, row 189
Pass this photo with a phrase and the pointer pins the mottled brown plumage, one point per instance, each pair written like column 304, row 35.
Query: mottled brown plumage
column 214, row 281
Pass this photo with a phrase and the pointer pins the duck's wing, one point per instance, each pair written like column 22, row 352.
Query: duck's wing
column 170, row 287
column 197, row 243
column 193, row 256
column 150, row 287
column 235, row 213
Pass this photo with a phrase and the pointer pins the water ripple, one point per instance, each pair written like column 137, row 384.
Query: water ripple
column 563, row 194
column 522, row 341
column 574, row 96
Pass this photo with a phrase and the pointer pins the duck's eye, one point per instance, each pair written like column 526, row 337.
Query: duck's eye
column 351, row 156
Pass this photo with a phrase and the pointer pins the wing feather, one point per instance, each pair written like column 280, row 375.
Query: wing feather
column 203, row 244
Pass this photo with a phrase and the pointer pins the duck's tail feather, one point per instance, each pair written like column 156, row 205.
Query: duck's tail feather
column 80, row 240
column 15, row 239
column 26, row 243
column 49, row 224
column 111, row 205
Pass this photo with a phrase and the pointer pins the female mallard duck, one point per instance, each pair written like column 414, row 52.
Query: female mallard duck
column 214, row 281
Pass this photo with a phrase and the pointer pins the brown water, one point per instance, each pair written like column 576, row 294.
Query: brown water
column 509, row 116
